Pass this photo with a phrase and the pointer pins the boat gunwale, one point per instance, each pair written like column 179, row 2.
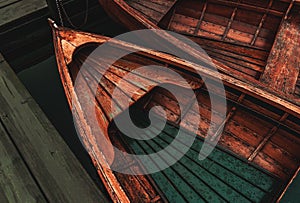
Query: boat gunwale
column 108, row 178
column 230, row 81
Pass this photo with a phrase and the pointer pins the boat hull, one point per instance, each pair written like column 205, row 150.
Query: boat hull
column 259, row 142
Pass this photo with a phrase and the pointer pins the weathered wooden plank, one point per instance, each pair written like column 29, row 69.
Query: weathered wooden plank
column 20, row 9
column 56, row 170
column 154, row 15
column 16, row 182
column 4, row 3
column 153, row 9
column 282, row 68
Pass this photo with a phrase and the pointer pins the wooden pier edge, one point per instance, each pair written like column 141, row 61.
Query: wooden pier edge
column 12, row 10
column 36, row 165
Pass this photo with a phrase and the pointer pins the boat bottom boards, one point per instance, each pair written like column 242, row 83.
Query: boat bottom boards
column 221, row 177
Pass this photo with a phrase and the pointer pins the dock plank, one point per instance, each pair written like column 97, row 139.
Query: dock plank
column 4, row 3
column 19, row 9
column 16, row 182
column 56, row 170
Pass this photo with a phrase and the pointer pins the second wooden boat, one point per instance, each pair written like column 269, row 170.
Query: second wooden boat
column 239, row 35
column 256, row 157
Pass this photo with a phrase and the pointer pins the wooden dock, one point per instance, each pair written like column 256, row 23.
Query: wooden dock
column 17, row 34
column 36, row 165
column 11, row 10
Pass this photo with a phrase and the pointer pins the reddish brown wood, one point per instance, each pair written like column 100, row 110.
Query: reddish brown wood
column 261, row 23
column 257, row 122
column 237, row 35
column 282, row 70
column 199, row 21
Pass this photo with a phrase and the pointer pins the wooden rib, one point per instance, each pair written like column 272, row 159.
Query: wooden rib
column 230, row 21
column 201, row 18
column 261, row 22
column 249, row 7
column 186, row 25
column 289, row 9
column 228, row 117
column 239, row 150
column 271, row 161
column 267, row 138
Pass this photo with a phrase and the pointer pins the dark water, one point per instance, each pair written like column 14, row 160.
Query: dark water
column 43, row 83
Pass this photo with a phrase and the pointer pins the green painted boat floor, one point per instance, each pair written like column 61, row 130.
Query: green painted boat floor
column 221, row 177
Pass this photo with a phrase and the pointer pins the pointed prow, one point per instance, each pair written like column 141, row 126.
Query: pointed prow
column 52, row 23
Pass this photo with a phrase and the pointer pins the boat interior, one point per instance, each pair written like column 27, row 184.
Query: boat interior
column 238, row 33
column 257, row 154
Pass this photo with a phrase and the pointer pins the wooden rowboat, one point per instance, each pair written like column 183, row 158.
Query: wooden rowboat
column 256, row 157
column 255, row 41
